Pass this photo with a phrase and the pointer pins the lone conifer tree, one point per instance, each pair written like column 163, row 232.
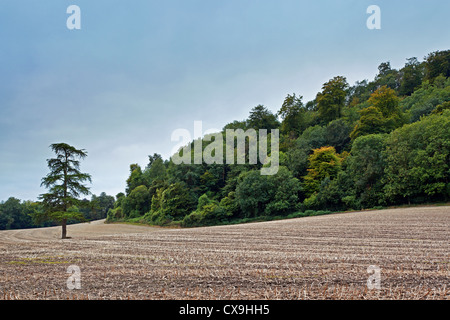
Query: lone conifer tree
column 65, row 184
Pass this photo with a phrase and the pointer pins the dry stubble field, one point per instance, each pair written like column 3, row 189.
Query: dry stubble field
column 324, row 257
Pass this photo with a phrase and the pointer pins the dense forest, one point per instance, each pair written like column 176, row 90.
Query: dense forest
column 374, row 144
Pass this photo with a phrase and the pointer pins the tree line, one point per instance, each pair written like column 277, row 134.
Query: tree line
column 19, row 214
column 376, row 143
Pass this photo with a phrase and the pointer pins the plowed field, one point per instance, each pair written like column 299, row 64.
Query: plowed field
column 323, row 257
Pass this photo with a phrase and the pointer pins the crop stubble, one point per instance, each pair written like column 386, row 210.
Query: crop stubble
column 324, row 257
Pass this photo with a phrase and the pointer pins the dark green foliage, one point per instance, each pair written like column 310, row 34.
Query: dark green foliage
column 135, row 179
column 65, row 183
column 116, row 213
column 155, row 171
column 386, row 77
column 337, row 134
column 137, row 202
column 328, row 197
column 426, row 98
column 441, row 108
column 15, row 214
column 331, row 101
column 365, row 166
column 252, row 193
column 411, row 77
column 437, row 63
column 268, row 195
column 418, row 160
column 171, row 204
column 261, row 118
column 208, row 212
column 294, row 115
column 373, row 144
column 98, row 207
column 371, row 122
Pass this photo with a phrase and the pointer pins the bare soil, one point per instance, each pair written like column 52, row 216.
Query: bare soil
column 324, row 257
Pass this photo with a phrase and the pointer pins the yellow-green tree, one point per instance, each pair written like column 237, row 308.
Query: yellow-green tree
column 385, row 99
column 323, row 162
column 382, row 116
column 370, row 122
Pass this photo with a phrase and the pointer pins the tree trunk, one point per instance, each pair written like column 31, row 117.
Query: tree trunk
column 64, row 229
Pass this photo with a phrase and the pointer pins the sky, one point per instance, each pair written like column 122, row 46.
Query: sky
column 138, row 70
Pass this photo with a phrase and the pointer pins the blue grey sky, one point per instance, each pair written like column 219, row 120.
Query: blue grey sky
column 137, row 70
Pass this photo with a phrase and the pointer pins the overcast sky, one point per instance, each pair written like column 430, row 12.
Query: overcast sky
column 137, row 70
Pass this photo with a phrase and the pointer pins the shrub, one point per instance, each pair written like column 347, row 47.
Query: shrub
column 208, row 212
